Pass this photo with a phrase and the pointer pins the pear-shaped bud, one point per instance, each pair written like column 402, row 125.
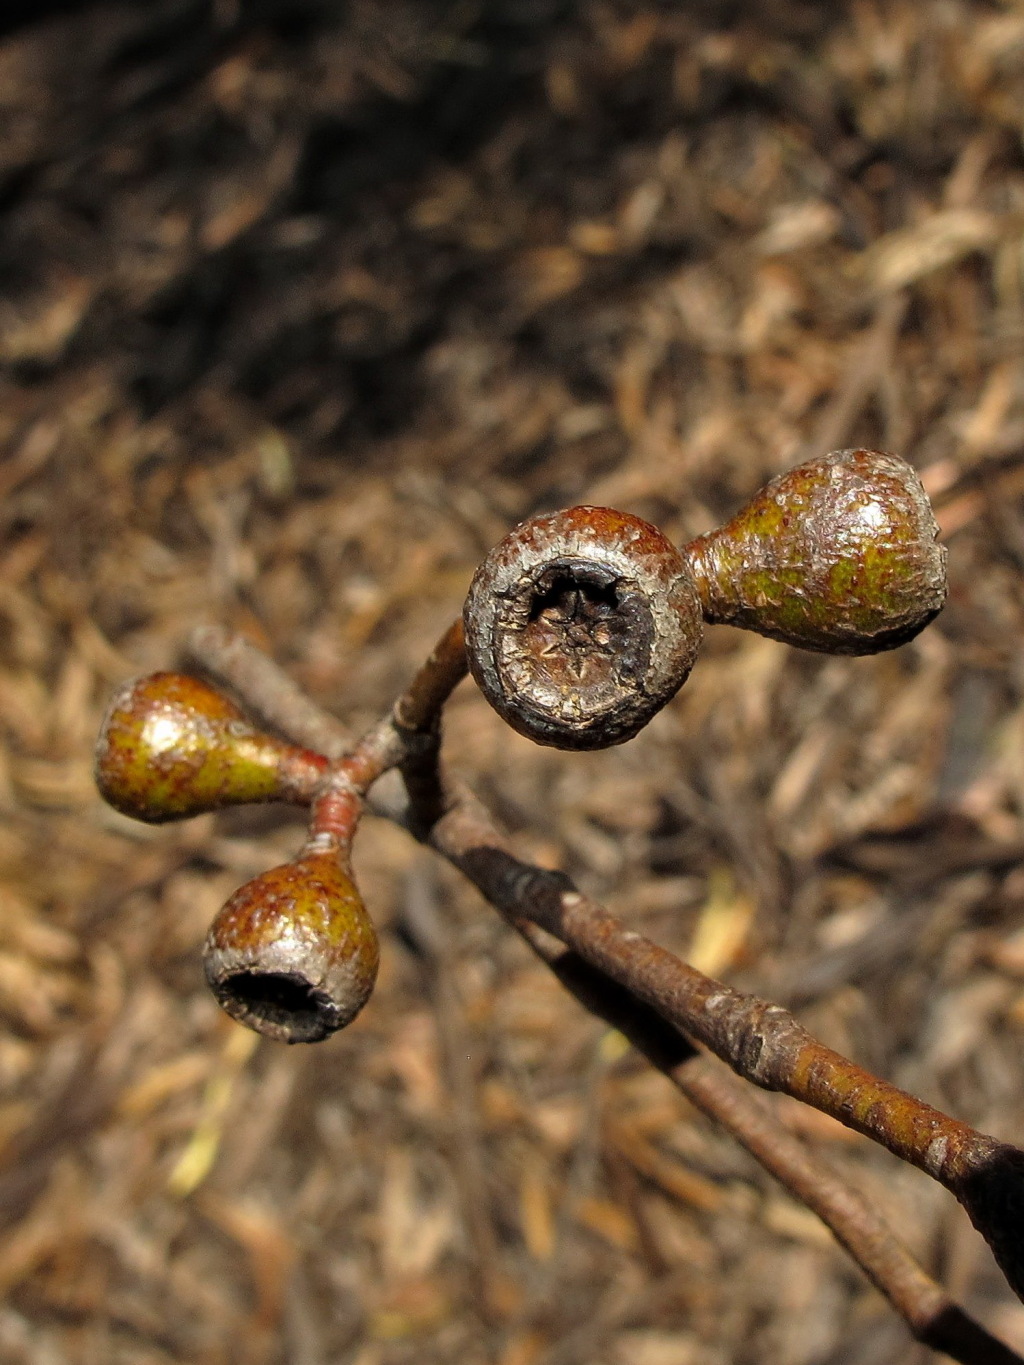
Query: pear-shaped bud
column 171, row 746
column 838, row 554
column 293, row 954
column 580, row 625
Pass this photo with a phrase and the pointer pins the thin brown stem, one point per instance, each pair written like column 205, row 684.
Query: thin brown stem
column 761, row 1041
column 267, row 690
column 418, row 708
column 931, row 1315
column 655, row 998
column 409, row 736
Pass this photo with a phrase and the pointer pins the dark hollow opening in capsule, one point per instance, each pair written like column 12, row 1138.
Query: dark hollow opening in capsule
column 282, row 1006
column 574, row 596
column 583, row 633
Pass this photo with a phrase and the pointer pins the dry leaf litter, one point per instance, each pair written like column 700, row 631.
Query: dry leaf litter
column 303, row 305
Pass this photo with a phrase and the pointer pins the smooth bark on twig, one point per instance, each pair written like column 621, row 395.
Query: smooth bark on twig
column 266, row 689
column 655, row 999
column 933, row 1318
column 761, row 1041
column 419, row 707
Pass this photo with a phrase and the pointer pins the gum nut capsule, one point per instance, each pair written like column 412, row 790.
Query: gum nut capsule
column 171, row 746
column 580, row 625
column 838, row 554
column 293, row 954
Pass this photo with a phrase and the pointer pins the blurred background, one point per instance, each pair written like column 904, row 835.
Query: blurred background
column 302, row 305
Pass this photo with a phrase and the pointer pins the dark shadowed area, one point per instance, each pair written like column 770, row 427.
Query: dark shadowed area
column 303, row 305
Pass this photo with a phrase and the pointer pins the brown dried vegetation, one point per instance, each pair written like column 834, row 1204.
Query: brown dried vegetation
column 303, row 307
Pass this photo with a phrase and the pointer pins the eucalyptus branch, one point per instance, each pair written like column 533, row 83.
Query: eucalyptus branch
column 578, row 627
column 655, row 999
column 933, row 1318
column 759, row 1040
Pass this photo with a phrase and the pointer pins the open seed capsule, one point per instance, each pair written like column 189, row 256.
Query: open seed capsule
column 580, row 625
column 171, row 746
column 293, row 953
column 838, row 554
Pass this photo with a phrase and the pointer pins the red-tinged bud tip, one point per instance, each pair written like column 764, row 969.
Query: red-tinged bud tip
column 293, row 954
